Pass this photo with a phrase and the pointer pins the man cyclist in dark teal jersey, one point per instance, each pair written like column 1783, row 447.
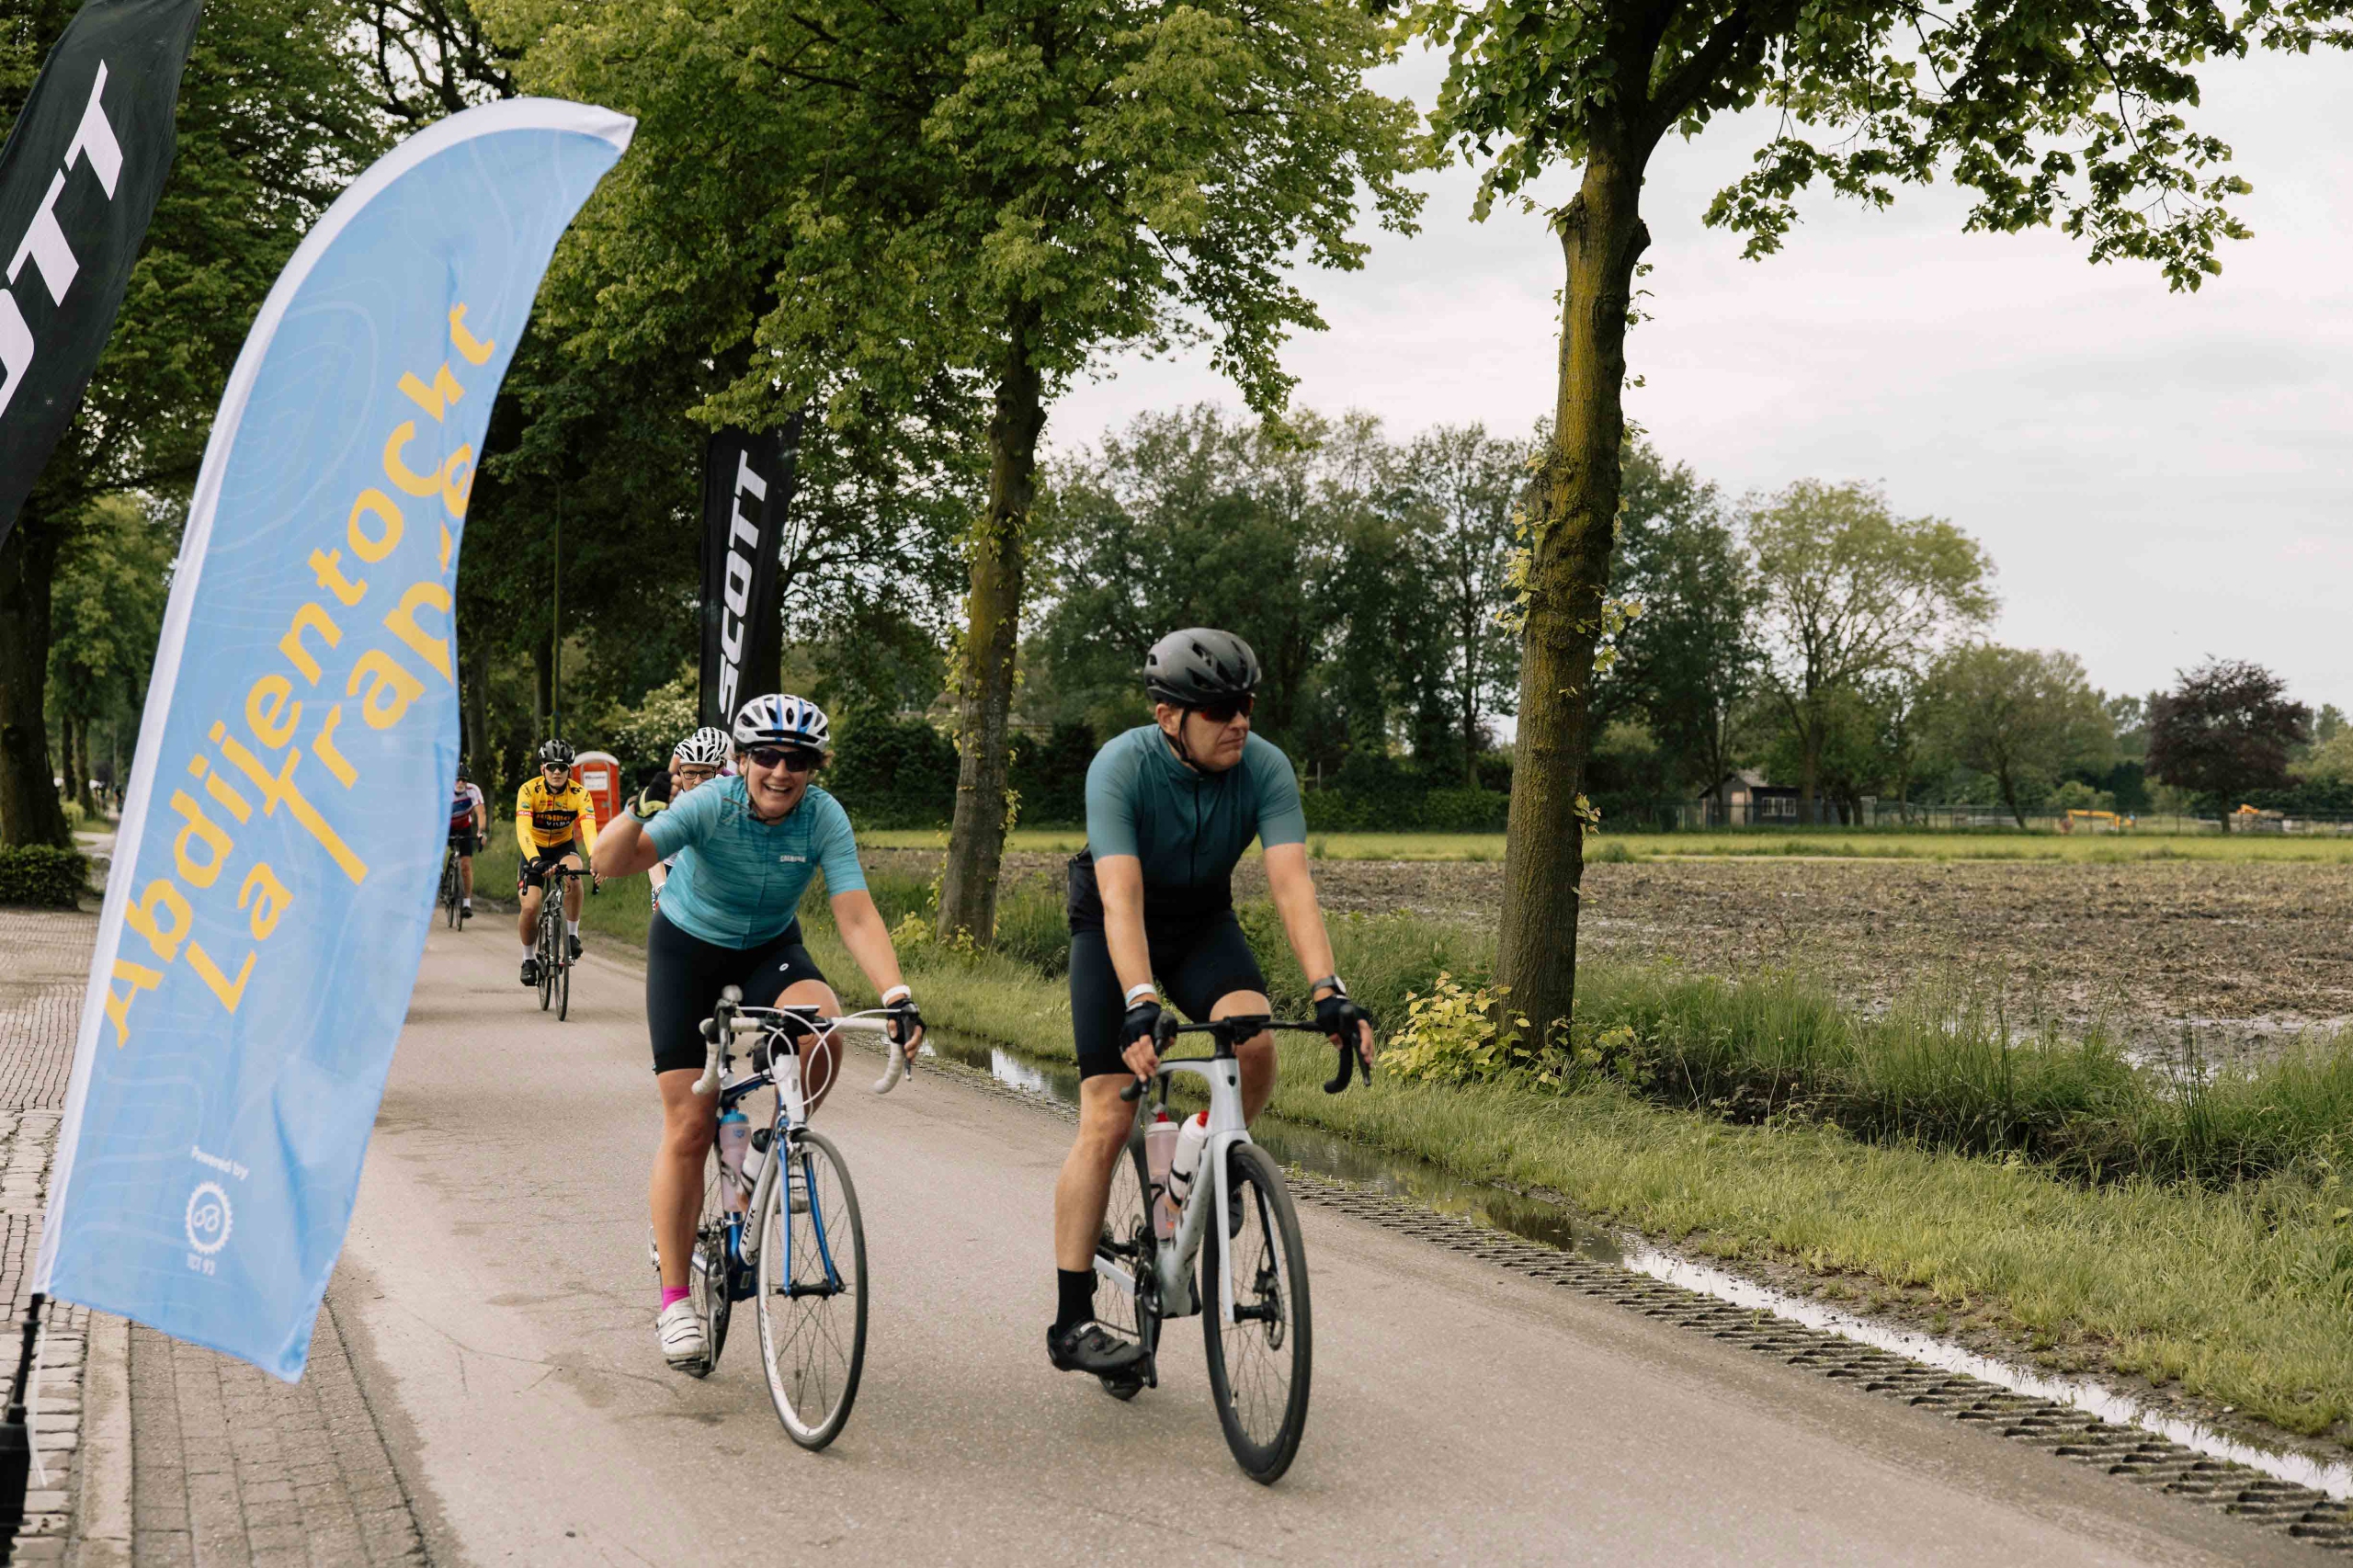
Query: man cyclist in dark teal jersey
column 1170, row 807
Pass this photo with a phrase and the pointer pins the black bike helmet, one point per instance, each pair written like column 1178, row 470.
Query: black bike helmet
column 1198, row 666
column 554, row 752
column 465, row 774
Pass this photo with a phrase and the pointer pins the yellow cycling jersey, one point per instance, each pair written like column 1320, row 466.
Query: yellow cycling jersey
column 545, row 820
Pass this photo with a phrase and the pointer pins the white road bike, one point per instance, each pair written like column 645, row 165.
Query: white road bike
column 1259, row 1330
column 792, row 1244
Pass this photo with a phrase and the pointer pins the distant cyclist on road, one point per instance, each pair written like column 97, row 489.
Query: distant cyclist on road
column 551, row 813
column 697, row 759
column 1170, row 807
column 468, row 823
column 743, row 850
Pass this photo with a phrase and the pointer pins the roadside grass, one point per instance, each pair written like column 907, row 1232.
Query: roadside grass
column 1617, row 849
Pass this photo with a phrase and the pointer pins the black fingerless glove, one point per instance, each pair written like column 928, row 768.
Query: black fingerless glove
column 905, row 1019
column 1142, row 1019
column 1338, row 1017
column 652, row 796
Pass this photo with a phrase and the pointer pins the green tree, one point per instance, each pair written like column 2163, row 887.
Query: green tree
column 2065, row 111
column 1688, row 660
column 1848, row 593
column 271, row 126
column 107, row 612
column 1462, row 484
column 966, row 205
column 2023, row 717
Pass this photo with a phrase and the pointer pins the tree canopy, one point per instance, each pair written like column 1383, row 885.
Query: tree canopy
column 2228, row 727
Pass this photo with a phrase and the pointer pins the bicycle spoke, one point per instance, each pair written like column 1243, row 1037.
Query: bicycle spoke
column 813, row 1317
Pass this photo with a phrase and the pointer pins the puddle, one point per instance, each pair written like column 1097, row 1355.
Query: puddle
column 1402, row 1175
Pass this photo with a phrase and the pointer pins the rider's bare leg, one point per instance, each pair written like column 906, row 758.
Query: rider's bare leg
column 821, row 1060
column 1084, row 1189
column 687, row 1123
column 1257, row 1052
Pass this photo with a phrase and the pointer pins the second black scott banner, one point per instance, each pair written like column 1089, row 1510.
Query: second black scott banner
column 746, row 489
column 78, row 182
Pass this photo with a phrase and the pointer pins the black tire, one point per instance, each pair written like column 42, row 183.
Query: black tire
column 547, row 957
column 449, row 886
column 562, row 976
column 812, row 1318
column 1259, row 1367
column 707, row 1271
column 1127, row 1248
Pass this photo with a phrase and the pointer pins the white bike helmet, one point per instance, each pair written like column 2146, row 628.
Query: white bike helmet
column 707, row 747
column 780, row 718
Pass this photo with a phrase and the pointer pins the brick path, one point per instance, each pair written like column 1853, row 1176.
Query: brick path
column 226, row 1465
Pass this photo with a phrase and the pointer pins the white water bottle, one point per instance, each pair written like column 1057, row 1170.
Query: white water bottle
column 1187, row 1157
column 734, row 1136
column 755, row 1158
column 1159, row 1148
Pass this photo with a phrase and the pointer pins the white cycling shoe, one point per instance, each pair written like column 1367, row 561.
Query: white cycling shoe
column 684, row 1344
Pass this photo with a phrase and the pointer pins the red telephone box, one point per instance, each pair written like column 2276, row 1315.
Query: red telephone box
column 599, row 773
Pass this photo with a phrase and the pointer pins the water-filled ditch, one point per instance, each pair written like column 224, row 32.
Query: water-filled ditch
column 1402, row 1176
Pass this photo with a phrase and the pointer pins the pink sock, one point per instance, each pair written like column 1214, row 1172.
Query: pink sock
column 669, row 1296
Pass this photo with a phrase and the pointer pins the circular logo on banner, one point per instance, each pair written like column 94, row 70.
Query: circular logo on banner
column 208, row 1218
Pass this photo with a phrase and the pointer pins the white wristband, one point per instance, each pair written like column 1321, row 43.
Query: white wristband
column 896, row 993
column 1146, row 989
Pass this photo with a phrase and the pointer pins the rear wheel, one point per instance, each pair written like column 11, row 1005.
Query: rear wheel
column 1125, row 1256
column 1259, row 1362
column 811, row 1296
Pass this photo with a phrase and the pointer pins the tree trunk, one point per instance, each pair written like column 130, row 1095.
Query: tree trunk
column 1809, row 776
column 29, row 813
column 2010, row 799
column 1577, row 490
column 476, row 663
column 542, row 689
column 80, row 752
column 1000, row 548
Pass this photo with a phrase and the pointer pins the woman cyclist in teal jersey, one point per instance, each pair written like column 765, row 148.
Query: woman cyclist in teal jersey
column 1170, row 807
column 742, row 851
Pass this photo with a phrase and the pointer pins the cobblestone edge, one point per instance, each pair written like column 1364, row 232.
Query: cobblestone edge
column 2264, row 1501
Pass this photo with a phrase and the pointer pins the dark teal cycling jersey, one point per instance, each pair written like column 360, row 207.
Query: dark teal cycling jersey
column 1188, row 829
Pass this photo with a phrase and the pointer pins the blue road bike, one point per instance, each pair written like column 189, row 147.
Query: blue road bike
column 787, row 1236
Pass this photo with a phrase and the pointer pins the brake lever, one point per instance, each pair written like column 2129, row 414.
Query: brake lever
column 1162, row 1033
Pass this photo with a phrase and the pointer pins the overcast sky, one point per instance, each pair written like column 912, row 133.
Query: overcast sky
column 2158, row 476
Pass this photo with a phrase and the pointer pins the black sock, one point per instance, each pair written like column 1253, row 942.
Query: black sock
column 1076, row 1288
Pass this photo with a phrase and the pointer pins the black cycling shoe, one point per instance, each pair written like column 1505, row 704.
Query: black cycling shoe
column 1086, row 1348
column 575, row 945
column 530, row 971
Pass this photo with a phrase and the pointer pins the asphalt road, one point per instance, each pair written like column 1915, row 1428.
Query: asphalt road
column 498, row 1296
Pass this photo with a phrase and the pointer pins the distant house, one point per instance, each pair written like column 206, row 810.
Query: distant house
column 1745, row 800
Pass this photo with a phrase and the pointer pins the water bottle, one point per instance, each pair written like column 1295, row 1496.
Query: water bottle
column 735, row 1137
column 1187, row 1157
column 1159, row 1145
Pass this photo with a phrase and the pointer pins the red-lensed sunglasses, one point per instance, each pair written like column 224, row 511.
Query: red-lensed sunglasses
column 1226, row 710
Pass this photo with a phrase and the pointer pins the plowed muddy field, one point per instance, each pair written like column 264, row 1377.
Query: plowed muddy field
column 2239, row 952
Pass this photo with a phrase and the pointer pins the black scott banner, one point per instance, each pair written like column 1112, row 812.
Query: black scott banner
column 78, row 182
column 746, row 488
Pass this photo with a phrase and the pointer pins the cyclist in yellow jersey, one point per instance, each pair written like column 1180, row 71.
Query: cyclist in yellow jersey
column 550, row 812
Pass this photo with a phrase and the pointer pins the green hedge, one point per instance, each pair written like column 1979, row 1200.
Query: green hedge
column 40, row 875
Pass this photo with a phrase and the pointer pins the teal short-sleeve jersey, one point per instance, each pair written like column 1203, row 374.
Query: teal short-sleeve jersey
column 1188, row 829
column 737, row 881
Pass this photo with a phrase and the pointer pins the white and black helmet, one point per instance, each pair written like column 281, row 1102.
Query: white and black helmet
column 708, row 747
column 1198, row 666
column 780, row 718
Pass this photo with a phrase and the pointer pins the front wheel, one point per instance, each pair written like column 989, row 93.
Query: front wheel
column 547, row 962
column 708, row 1274
column 812, row 1295
column 1259, row 1362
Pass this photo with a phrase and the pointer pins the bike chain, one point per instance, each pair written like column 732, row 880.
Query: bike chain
column 2133, row 1452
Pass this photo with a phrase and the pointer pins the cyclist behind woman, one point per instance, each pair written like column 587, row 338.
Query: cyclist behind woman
column 555, row 825
column 743, row 850
column 1170, row 807
column 697, row 759
column 469, row 820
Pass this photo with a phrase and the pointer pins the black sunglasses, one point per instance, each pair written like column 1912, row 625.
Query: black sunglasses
column 1224, row 712
column 798, row 759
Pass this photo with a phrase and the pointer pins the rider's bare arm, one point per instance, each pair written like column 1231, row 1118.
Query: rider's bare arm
column 1119, row 879
column 869, row 941
column 624, row 849
column 1293, row 889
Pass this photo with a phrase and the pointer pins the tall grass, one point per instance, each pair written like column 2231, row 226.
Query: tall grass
column 1947, row 1067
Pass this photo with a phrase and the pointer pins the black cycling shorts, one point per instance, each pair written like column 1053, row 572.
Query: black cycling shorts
column 1196, row 963
column 534, row 870
column 461, row 839
column 684, row 976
